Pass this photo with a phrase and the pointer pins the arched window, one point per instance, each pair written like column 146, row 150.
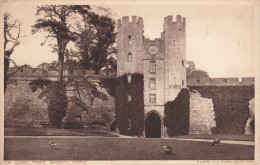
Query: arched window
column 129, row 57
column 129, row 39
column 129, row 98
column 129, row 77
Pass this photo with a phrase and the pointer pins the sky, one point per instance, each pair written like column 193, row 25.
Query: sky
column 220, row 39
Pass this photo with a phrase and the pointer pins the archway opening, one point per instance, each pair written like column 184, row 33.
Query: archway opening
column 153, row 126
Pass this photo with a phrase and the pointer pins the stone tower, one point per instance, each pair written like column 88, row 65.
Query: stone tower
column 161, row 61
column 175, row 56
column 129, row 45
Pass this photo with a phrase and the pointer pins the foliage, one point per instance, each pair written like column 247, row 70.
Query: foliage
column 20, row 108
column 198, row 74
column 231, row 106
column 106, row 115
column 55, row 96
column 56, row 21
column 17, row 114
column 39, row 83
column 193, row 72
column 75, row 107
column 130, row 114
column 12, row 30
column 109, row 84
column 177, row 114
column 95, row 44
column 252, row 125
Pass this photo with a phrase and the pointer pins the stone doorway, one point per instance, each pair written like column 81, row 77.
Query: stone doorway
column 153, row 126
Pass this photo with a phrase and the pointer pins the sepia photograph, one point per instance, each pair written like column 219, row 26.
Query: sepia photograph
column 133, row 81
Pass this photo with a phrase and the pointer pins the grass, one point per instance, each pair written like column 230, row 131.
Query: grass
column 120, row 149
column 54, row 132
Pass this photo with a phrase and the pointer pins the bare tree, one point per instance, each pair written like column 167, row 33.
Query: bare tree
column 12, row 34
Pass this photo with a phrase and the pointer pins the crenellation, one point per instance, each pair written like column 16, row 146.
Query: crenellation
column 184, row 21
column 178, row 19
column 140, row 22
column 125, row 19
column 162, row 35
column 168, row 19
column 134, row 19
column 119, row 23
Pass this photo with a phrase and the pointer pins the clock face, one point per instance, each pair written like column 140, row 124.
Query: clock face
column 153, row 49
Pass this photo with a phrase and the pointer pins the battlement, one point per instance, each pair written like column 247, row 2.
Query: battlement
column 246, row 81
column 135, row 20
column 179, row 20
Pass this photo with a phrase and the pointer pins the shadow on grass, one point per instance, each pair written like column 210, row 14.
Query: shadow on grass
column 55, row 132
column 239, row 137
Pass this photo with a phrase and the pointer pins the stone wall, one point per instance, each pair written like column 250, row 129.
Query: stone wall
column 248, row 129
column 18, row 91
column 201, row 114
column 19, row 96
column 246, row 81
column 221, row 109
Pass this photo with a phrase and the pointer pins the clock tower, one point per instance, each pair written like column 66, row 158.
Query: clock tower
column 161, row 61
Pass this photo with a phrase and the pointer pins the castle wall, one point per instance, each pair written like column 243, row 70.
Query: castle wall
column 18, row 93
column 201, row 114
column 220, row 81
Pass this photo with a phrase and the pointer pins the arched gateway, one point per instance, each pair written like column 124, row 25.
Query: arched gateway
column 153, row 125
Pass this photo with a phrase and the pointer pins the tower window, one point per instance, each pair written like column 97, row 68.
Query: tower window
column 129, row 98
column 225, row 80
column 152, row 67
column 182, row 82
column 152, row 98
column 198, row 80
column 182, row 62
column 129, row 77
column 129, row 40
column 129, row 57
column 179, row 29
column 152, row 83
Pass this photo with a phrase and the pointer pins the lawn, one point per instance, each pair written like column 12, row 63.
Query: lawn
column 81, row 148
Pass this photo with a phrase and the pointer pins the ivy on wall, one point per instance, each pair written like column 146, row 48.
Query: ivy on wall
column 130, row 113
column 177, row 114
column 231, row 106
column 109, row 84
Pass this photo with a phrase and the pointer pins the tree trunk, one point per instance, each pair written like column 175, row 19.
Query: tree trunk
column 6, row 67
column 60, row 67
column 61, row 51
